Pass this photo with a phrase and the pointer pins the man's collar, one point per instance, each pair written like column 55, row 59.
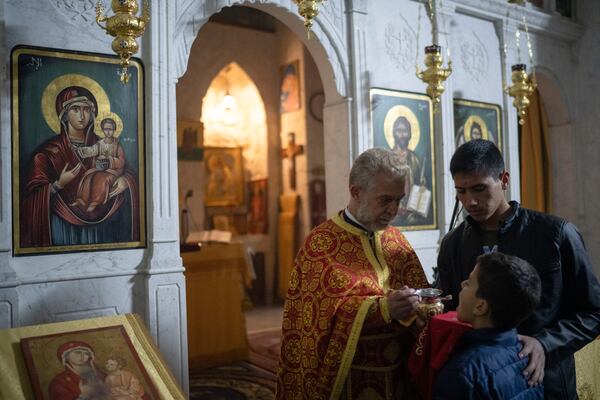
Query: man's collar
column 504, row 224
column 351, row 219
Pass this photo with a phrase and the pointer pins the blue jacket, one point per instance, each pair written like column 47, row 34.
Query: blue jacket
column 568, row 316
column 486, row 366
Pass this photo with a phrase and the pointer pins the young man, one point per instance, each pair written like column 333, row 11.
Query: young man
column 500, row 293
column 352, row 282
column 568, row 316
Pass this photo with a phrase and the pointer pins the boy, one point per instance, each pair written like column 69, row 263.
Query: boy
column 96, row 184
column 500, row 293
column 568, row 316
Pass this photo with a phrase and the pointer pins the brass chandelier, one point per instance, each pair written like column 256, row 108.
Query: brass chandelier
column 308, row 9
column 523, row 84
column 434, row 74
column 125, row 26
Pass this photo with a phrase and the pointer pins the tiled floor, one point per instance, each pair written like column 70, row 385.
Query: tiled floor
column 264, row 318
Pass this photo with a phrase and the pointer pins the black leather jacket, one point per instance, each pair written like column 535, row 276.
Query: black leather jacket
column 569, row 313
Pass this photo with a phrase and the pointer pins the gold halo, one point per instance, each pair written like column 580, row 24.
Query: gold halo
column 62, row 82
column 388, row 126
column 98, row 129
column 469, row 123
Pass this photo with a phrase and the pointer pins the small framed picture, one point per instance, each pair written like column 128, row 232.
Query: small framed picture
column 189, row 138
column 403, row 122
column 92, row 364
column 476, row 120
column 290, row 87
column 224, row 177
column 258, row 211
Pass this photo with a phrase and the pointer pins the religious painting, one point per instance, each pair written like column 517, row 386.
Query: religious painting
column 403, row 123
column 78, row 153
column 258, row 215
column 476, row 120
column 96, row 363
column 290, row 87
column 224, row 177
column 189, row 141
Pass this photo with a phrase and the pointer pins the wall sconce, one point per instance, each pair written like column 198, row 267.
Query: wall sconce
column 125, row 27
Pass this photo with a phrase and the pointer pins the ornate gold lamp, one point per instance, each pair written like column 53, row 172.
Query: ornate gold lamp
column 308, row 9
column 435, row 74
column 523, row 86
column 125, row 26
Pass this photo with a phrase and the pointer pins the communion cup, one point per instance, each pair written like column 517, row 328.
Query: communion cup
column 431, row 302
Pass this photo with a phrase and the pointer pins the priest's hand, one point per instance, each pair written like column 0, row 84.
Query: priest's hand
column 532, row 347
column 402, row 303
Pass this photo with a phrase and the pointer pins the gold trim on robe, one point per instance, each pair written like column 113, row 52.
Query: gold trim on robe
column 336, row 302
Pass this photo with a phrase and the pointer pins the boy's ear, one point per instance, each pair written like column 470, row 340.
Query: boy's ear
column 504, row 178
column 481, row 308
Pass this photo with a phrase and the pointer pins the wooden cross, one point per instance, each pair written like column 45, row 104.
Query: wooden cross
column 291, row 151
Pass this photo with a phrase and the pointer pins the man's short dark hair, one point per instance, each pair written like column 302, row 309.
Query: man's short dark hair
column 478, row 156
column 511, row 286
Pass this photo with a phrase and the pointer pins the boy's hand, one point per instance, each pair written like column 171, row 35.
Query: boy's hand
column 537, row 359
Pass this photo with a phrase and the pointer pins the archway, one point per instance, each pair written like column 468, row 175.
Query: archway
column 563, row 166
column 327, row 46
column 211, row 76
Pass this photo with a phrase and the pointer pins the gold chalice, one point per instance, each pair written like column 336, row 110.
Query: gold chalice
column 431, row 302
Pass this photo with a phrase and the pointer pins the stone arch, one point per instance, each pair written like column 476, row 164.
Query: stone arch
column 327, row 46
column 563, row 168
column 249, row 130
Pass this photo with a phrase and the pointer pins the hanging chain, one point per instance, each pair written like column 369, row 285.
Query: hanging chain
column 446, row 33
column 529, row 49
column 505, row 51
column 518, row 44
column 418, row 35
column 432, row 20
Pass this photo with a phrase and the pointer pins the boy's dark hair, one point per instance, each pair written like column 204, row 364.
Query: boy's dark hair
column 478, row 156
column 511, row 286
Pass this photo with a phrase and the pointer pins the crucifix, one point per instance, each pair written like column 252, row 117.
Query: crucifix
column 291, row 151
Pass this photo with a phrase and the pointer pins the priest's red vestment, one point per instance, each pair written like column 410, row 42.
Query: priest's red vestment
column 338, row 339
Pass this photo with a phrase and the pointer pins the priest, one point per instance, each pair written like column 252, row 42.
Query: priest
column 349, row 313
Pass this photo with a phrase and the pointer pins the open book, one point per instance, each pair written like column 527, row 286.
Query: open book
column 419, row 200
column 212, row 236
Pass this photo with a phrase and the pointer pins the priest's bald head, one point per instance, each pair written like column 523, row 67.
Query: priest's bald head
column 377, row 184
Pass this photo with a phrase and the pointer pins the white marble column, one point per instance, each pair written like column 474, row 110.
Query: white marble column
column 336, row 143
column 359, row 67
column 164, row 293
column 444, row 121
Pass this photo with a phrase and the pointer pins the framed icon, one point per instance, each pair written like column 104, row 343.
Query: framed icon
column 224, row 177
column 78, row 152
column 477, row 120
column 403, row 123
